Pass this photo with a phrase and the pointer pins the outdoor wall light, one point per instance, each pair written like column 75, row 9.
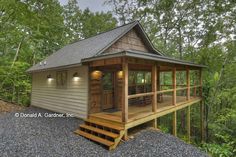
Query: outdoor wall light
column 120, row 74
column 76, row 76
column 49, row 77
column 96, row 75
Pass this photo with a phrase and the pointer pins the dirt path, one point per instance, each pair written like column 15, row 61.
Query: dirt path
column 6, row 107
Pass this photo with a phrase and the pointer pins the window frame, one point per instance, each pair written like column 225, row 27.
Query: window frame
column 59, row 81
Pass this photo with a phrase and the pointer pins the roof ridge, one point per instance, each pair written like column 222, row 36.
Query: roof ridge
column 104, row 32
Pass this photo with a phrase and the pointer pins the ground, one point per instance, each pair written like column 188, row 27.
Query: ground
column 6, row 107
column 43, row 136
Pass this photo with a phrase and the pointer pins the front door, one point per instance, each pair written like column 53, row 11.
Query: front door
column 108, row 91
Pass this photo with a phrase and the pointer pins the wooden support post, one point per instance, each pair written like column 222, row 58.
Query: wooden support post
column 188, row 124
column 188, row 83
column 174, row 85
column 202, row 121
column 195, row 89
column 158, row 84
column 126, row 137
column 200, row 82
column 175, row 123
column 125, row 91
column 154, row 88
column 154, row 125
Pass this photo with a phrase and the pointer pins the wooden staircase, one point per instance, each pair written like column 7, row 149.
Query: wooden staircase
column 101, row 132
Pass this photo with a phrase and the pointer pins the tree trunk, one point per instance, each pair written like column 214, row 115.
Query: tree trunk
column 17, row 52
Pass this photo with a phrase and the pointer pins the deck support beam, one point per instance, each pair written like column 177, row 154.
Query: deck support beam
column 175, row 123
column 202, row 110
column 174, row 85
column 125, row 91
column 154, row 88
column 188, row 124
column 202, row 121
column 154, row 125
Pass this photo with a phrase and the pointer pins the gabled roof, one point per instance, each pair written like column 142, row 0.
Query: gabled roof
column 72, row 54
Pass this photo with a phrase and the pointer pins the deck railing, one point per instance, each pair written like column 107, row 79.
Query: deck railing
column 191, row 90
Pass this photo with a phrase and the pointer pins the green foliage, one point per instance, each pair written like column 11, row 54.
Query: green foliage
column 31, row 30
column 216, row 150
column 196, row 30
column 203, row 32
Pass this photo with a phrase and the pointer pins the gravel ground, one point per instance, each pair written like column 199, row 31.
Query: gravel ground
column 54, row 137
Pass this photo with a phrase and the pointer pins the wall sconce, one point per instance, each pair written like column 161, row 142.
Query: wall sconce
column 96, row 75
column 49, row 77
column 76, row 76
column 120, row 74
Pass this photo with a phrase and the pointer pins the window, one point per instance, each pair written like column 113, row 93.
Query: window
column 61, row 79
column 107, row 81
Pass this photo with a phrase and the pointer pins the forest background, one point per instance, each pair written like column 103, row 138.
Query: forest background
column 201, row 31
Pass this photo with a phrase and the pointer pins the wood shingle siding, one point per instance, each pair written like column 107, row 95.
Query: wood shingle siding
column 72, row 99
column 130, row 41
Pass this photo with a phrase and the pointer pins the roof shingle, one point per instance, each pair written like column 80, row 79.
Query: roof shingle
column 73, row 53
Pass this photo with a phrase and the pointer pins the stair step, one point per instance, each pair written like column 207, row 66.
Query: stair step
column 107, row 125
column 100, row 131
column 95, row 138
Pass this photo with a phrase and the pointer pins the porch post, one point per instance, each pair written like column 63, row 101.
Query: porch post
column 158, row 83
column 174, row 85
column 195, row 88
column 200, row 82
column 188, row 83
column 154, row 88
column 125, row 91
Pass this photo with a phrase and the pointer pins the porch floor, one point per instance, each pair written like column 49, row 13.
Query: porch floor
column 136, row 112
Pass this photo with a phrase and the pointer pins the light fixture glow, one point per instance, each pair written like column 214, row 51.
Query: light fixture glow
column 75, row 76
column 49, row 77
column 96, row 75
column 120, row 74
column 143, row 80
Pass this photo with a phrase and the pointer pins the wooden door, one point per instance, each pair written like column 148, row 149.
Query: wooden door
column 108, row 91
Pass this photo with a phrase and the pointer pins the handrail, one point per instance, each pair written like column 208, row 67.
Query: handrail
column 183, row 88
column 165, row 91
column 140, row 95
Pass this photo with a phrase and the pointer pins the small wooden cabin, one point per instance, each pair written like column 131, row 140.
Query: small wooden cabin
column 115, row 80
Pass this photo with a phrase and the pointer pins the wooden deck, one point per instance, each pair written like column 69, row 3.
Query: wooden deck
column 136, row 113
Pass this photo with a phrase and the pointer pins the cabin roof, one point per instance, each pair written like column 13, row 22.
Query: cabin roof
column 72, row 54
column 143, row 55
